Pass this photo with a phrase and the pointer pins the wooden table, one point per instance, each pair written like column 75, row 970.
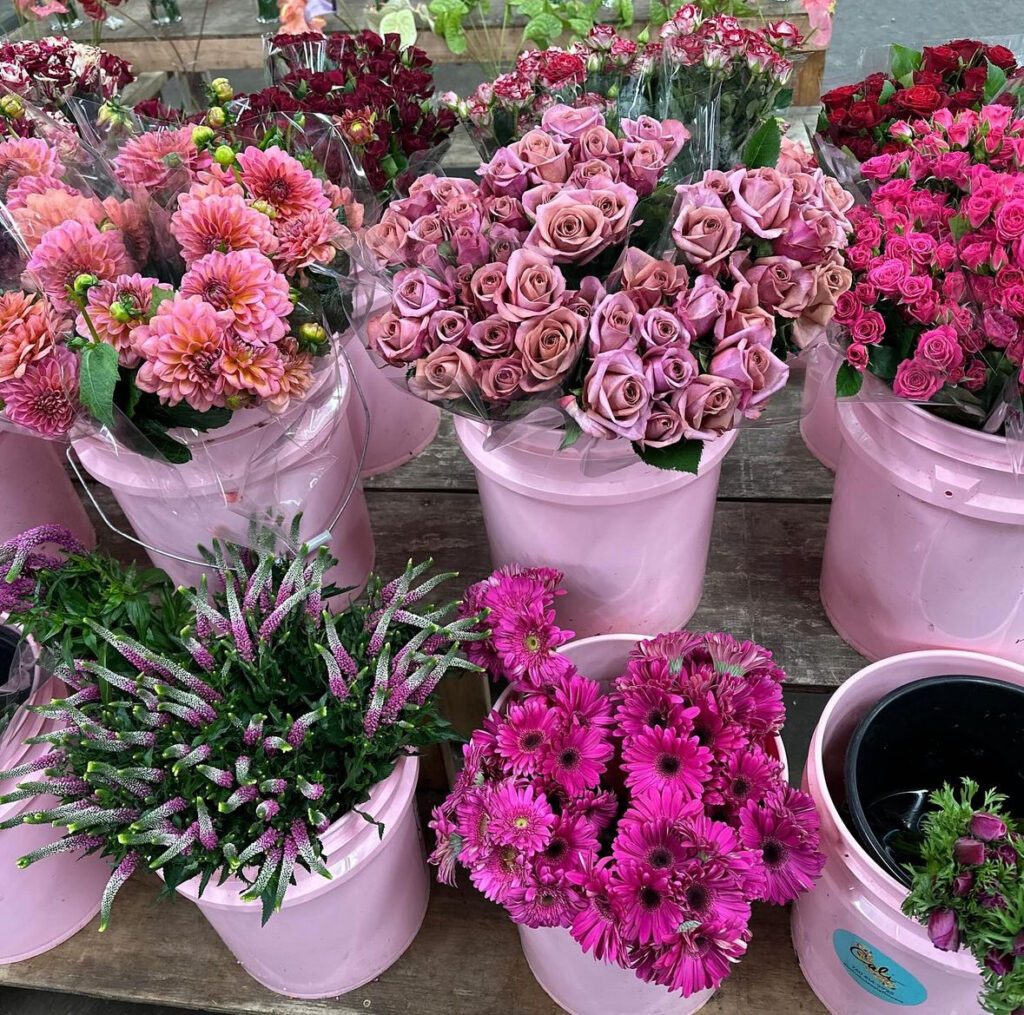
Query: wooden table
column 762, row 583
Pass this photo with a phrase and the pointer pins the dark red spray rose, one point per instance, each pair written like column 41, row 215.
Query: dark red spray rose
column 975, row 78
column 964, row 99
column 921, row 99
column 1001, row 57
column 873, row 84
column 862, row 147
column 840, row 98
column 941, row 59
column 929, row 77
column 863, row 115
column 968, row 50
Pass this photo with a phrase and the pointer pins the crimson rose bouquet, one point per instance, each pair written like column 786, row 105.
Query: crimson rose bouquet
column 644, row 817
column 937, row 306
column 963, row 74
column 524, row 288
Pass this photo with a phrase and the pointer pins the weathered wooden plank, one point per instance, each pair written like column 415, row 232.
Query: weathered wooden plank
column 465, row 961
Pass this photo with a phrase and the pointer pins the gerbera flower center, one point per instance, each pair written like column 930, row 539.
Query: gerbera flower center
column 650, row 898
column 655, row 717
column 660, row 857
column 532, row 740
column 668, row 764
column 532, row 643
column 521, row 822
column 697, row 898
column 557, row 848
column 507, row 861
column 774, row 852
column 569, row 758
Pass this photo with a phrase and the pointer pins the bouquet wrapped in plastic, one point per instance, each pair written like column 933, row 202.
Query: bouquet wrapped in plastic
column 533, row 288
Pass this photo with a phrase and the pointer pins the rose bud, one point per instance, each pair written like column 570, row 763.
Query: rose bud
column 969, row 852
column 962, row 885
column 987, row 827
column 999, row 964
column 942, row 930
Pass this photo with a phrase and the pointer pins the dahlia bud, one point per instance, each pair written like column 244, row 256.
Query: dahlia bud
column 84, row 283
column 221, row 90
column 202, row 135
column 224, row 155
column 216, row 117
column 265, row 207
column 12, row 107
column 312, row 334
column 120, row 312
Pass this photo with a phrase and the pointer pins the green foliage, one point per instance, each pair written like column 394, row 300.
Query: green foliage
column 98, row 378
column 848, row 380
column 995, row 81
column 987, row 900
column 683, row 456
column 764, row 146
column 904, row 62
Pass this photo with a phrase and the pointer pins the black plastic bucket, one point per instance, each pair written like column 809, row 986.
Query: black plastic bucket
column 926, row 733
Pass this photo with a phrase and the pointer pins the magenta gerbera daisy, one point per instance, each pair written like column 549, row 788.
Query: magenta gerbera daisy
column 658, row 758
column 669, row 802
column 577, row 758
column 503, row 870
column 525, row 735
column 656, row 844
column 756, row 701
column 694, row 959
column 712, row 893
column 596, row 925
column 791, row 858
column 526, row 642
column 548, row 899
column 520, row 818
column 282, row 182
column 581, row 700
column 653, row 707
column 645, row 901
column 599, row 807
column 573, row 838
column 748, row 775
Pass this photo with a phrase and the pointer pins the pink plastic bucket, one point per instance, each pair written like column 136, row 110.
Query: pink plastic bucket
column 819, row 423
column 632, row 540
column 242, row 470
column 856, row 949
column 43, row 905
column 332, row 936
column 925, row 545
column 35, row 489
column 573, row 979
column 401, row 425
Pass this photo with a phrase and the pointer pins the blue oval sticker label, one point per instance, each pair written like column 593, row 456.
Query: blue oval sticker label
column 873, row 970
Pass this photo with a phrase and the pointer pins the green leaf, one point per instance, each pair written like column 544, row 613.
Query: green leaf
column 543, row 28
column 97, row 379
column 888, row 91
column 626, row 13
column 907, row 80
column 884, row 361
column 158, row 297
column 455, row 37
column 784, row 99
column 400, row 23
column 959, row 226
column 166, row 446
column 683, row 456
column 573, row 431
column 994, row 82
column 904, row 61
column 530, row 8
column 764, row 146
column 580, row 26
column 848, row 381
column 441, row 7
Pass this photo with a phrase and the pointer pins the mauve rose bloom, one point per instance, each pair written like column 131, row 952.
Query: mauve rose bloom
column 917, row 381
column 708, row 407
column 617, row 394
column 417, row 294
column 569, row 123
column 808, row 233
column 415, row 206
column 569, row 230
column 942, row 930
column 533, row 285
column 643, row 163
column 583, row 300
column 463, row 210
column 669, row 369
column 599, row 142
column 755, row 325
column 664, row 426
column 471, row 246
column 615, row 201
column 754, row 369
column 507, row 211
column 613, row 324
column 386, row 239
column 660, row 327
column 493, row 336
column 670, row 134
column 783, row 285
column 706, row 236
column 702, row 195
column 445, row 373
column 459, row 278
column 761, row 200
column 444, row 188
column 505, row 175
column 829, row 281
column 504, row 242
column 651, row 281
column 837, row 200
column 500, row 379
column 449, row 327
column 535, row 197
column 593, row 169
column 702, row 305
column 429, row 229
column 397, row 340
column 969, row 852
column 547, row 160
column 987, row 827
column 550, row 346
column 486, row 283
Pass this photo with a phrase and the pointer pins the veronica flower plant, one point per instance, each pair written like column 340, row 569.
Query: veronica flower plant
column 967, row 889
column 644, row 817
column 270, row 719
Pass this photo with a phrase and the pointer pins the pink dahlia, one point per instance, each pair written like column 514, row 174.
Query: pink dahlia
column 282, row 182
column 28, row 185
column 520, row 818
column 28, row 332
column 135, row 219
column 117, row 309
column 39, row 213
column 524, row 736
column 596, row 925
column 160, row 160
column 661, row 757
column 72, row 249
column 244, row 282
column 297, row 378
column 220, row 224
column 791, row 858
column 182, row 347
column 577, row 758
column 548, row 899
column 26, row 156
column 250, row 371
column 311, row 237
column 645, row 901
column 45, row 397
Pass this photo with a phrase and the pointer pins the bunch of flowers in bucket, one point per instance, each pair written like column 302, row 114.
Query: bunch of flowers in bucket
column 967, row 888
column 962, row 74
column 191, row 291
column 701, row 69
column 528, row 287
column 270, row 719
column 937, row 307
column 645, row 820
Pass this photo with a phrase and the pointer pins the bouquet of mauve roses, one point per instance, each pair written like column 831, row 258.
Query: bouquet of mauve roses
column 523, row 288
column 937, row 307
column 963, row 74
column 645, row 817
column 710, row 73
column 189, row 292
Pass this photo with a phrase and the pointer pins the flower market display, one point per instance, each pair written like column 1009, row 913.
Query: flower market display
column 643, row 817
column 967, row 891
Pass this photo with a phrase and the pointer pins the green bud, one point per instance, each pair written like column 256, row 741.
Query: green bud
column 12, row 107
column 265, row 207
column 312, row 334
column 224, row 155
column 216, row 117
column 120, row 313
column 84, row 283
column 202, row 135
column 221, row 90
